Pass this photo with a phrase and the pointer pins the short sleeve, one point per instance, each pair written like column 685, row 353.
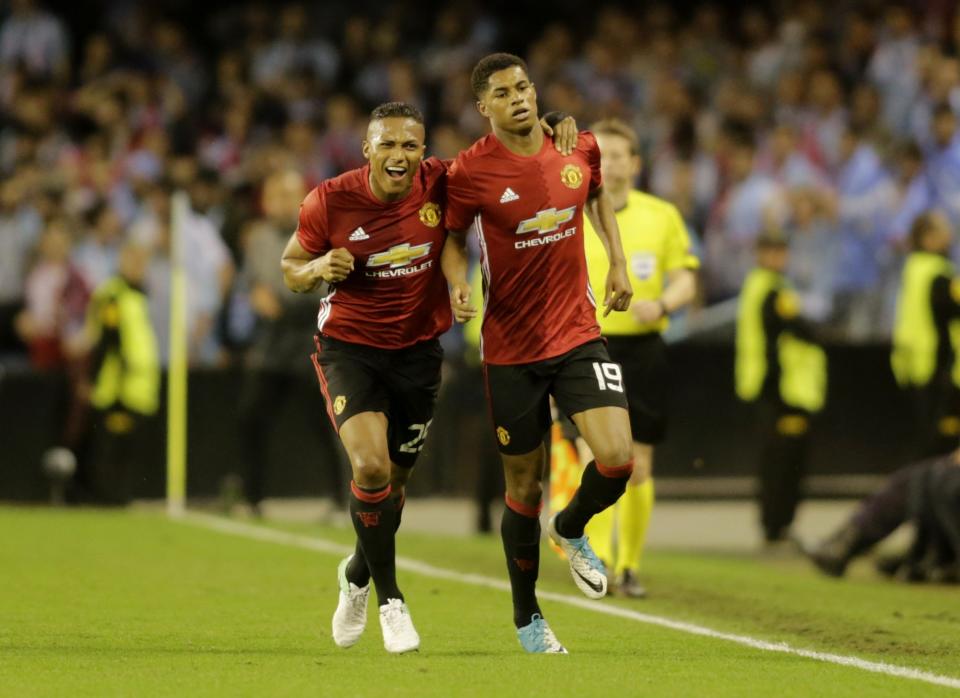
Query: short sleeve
column 312, row 233
column 592, row 151
column 461, row 198
column 679, row 254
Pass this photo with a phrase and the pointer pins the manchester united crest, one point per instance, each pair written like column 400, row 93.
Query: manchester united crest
column 430, row 214
column 503, row 436
column 572, row 176
column 339, row 404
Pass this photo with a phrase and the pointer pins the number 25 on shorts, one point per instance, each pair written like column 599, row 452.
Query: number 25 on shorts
column 415, row 445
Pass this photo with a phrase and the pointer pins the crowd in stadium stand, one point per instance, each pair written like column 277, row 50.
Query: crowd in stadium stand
column 833, row 121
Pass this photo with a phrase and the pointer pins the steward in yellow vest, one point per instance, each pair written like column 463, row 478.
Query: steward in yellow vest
column 926, row 336
column 126, row 375
column 781, row 368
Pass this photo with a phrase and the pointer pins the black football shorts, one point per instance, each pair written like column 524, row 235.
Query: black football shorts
column 643, row 359
column 401, row 383
column 519, row 395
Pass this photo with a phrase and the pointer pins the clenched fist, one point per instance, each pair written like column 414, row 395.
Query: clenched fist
column 334, row 266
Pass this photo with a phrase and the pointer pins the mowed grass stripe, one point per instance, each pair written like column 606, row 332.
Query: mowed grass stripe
column 418, row 567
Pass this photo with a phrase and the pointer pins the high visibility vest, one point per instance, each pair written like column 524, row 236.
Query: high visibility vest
column 130, row 373
column 803, row 366
column 916, row 343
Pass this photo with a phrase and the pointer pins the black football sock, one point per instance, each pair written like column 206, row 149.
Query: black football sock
column 374, row 519
column 520, row 530
column 357, row 570
column 600, row 487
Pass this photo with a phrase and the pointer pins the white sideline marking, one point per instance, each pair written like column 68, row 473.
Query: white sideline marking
column 270, row 535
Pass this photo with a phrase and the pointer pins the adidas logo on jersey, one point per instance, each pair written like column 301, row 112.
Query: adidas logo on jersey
column 358, row 234
column 508, row 196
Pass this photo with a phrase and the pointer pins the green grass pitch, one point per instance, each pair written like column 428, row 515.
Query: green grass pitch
column 133, row 604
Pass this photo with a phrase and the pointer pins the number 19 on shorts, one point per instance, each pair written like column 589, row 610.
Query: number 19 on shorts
column 609, row 376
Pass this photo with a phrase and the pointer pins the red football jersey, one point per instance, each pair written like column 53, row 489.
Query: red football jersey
column 528, row 212
column 396, row 294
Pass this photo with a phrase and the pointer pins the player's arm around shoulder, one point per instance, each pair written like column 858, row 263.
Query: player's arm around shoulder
column 461, row 206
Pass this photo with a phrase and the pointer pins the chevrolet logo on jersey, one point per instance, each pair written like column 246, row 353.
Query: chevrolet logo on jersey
column 399, row 255
column 397, row 261
column 546, row 221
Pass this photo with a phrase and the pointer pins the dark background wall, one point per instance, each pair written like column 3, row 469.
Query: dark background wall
column 862, row 430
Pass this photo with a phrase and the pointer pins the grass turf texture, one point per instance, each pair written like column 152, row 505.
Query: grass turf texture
column 116, row 603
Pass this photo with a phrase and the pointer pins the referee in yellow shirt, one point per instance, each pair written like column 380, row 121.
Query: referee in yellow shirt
column 663, row 274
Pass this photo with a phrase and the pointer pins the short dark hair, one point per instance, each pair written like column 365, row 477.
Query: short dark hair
column 488, row 65
column 389, row 110
column 922, row 225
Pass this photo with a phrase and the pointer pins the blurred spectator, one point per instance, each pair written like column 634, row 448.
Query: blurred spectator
column 209, row 270
column 751, row 203
column 814, row 266
column 867, row 200
column 35, row 40
column 293, row 50
column 95, row 256
column 892, row 66
column 738, row 109
column 20, row 227
column 278, row 360
column 54, row 301
column 937, row 185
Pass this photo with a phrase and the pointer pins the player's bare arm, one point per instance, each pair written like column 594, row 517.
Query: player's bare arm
column 680, row 291
column 455, row 263
column 599, row 210
column 304, row 272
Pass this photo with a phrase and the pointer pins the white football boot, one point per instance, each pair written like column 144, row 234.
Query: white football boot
column 350, row 618
column 399, row 635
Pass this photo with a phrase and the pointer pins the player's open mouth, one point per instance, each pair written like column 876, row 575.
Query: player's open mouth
column 395, row 173
column 521, row 114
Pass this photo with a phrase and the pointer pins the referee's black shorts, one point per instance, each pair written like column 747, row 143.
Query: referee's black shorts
column 643, row 360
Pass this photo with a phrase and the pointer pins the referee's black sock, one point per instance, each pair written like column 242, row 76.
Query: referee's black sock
column 600, row 487
column 374, row 519
column 358, row 572
column 520, row 531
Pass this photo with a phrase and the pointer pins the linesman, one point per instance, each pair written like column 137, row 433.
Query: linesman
column 662, row 271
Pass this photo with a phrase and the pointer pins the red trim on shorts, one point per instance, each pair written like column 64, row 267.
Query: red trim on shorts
column 523, row 509
column 324, row 388
column 624, row 470
column 369, row 497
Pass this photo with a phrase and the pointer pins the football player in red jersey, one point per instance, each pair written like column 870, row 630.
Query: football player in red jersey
column 540, row 336
column 375, row 235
